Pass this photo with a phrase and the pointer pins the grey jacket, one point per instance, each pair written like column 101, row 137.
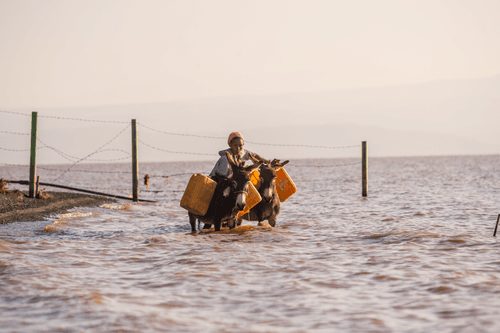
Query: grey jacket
column 222, row 167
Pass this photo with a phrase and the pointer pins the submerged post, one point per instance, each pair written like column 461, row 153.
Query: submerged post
column 496, row 226
column 37, row 185
column 364, row 169
column 135, row 163
column 34, row 130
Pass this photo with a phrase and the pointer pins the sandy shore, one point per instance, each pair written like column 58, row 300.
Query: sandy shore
column 20, row 208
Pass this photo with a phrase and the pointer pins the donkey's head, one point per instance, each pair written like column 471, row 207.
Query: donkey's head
column 241, row 179
column 268, row 179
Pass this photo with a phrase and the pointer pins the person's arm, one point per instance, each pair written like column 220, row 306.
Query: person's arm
column 222, row 168
column 257, row 158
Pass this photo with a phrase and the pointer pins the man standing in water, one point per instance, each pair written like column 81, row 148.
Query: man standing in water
column 240, row 156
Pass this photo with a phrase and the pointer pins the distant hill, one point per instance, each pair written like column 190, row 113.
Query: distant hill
column 436, row 118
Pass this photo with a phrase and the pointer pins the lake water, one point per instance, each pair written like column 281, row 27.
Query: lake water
column 417, row 255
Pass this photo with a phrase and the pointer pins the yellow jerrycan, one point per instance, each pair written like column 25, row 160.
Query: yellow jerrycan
column 255, row 178
column 284, row 185
column 253, row 198
column 198, row 194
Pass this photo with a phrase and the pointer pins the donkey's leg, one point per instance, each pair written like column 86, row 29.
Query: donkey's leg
column 260, row 216
column 276, row 210
column 192, row 221
column 207, row 226
column 239, row 220
column 217, row 224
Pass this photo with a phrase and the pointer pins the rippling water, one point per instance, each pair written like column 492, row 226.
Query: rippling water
column 416, row 255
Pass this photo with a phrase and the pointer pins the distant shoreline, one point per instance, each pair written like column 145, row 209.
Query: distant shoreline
column 20, row 208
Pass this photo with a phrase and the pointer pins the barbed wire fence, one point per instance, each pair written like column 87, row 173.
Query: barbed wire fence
column 75, row 160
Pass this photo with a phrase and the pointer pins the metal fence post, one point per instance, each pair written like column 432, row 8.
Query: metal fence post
column 364, row 169
column 135, row 163
column 34, row 130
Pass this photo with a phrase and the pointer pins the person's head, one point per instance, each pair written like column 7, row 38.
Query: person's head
column 236, row 145
column 236, row 142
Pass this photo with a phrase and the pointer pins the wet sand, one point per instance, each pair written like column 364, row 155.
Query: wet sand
column 20, row 208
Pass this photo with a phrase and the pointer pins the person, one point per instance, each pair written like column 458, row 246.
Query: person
column 240, row 155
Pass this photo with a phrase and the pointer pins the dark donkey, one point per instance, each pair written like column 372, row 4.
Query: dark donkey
column 229, row 197
column 269, row 208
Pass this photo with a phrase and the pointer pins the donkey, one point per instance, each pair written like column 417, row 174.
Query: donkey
column 269, row 207
column 229, row 197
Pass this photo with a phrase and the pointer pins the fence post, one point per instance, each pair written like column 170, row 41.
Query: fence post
column 364, row 169
column 34, row 130
column 135, row 163
column 37, row 185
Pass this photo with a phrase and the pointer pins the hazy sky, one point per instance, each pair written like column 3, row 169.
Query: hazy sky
column 83, row 53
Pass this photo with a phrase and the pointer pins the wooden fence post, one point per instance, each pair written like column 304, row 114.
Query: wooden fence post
column 364, row 169
column 34, row 130
column 135, row 163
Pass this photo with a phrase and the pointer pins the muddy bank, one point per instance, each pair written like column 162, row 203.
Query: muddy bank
column 19, row 208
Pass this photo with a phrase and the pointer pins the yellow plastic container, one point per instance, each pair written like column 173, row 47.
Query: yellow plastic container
column 284, row 185
column 255, row 178
column 198, row 194
column 253, row 198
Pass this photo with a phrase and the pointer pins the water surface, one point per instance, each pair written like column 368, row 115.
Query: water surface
column 416, row 255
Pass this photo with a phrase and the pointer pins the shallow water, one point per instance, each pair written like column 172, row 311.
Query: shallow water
column 416, row 255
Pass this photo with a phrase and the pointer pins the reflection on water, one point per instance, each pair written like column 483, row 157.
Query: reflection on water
column 416, row 255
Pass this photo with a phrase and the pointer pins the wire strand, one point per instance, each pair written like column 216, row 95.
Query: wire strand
column 324, row 166
column 183, row 134
column 73, row 158
column 306, row 146
column 16, row 113
column 98, row 149
column 14, row 149
column 252, row 142
column 68, row 118
column 16, row 133
column 174, row 152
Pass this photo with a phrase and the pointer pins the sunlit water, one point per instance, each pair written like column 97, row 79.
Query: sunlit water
column 417, row 255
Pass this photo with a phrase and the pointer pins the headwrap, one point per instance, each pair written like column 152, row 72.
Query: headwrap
column 234, row 135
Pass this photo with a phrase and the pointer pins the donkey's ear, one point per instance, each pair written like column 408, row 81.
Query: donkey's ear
column 254, row 166
column 231, row 160
column 282, row 164
column 277, row 164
